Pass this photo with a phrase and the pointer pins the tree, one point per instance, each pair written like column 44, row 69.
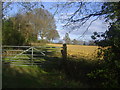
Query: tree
column 22, row 24
column 34, row 23
column 31, row 22
column 43, row 22
column 9, row 34
column 67, row 39
column 52, row 35
column 75, row 42
column 84, row 43
column 110, row 45
column 60, row 42
column 110, row 39
column 91, row 42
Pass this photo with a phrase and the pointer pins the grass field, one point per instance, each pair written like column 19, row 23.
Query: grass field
column 80, row 51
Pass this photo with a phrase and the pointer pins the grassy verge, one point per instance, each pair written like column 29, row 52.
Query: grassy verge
column 50, row 74
column 35, row 77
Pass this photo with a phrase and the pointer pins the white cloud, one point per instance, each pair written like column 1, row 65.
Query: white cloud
column 97, row 26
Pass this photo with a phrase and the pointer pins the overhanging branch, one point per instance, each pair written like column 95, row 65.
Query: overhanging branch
column 91, row 15
column 88, row 27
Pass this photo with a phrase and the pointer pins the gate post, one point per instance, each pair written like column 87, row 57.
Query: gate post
column 64, row 56
column 32, row 56
column 64, row 52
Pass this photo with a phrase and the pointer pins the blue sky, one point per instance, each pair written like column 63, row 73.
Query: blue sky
column 98, row 25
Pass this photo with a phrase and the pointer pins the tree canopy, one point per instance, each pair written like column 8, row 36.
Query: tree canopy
column 31, row 25
column 67, row 38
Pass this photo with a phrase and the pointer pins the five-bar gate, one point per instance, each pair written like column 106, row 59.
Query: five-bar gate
column 27, row 55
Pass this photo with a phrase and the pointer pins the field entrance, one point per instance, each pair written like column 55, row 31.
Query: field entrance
column 27, row 55
column 42, row 67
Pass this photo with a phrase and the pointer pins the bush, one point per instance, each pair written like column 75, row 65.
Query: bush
column 43, row 41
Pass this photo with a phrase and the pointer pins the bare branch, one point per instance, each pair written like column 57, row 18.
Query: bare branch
column 62, row 7
column 77, row 11
column 88, row 27
column 79, row 25
column 80, row 6
column 56, row 11
column 95, row 14
column 6, row 6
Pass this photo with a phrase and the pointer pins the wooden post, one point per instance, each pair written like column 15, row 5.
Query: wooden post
column 64, row 52
column 64, row 56
column 32, row 56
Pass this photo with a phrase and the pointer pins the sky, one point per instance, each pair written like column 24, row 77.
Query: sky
column 98, row 25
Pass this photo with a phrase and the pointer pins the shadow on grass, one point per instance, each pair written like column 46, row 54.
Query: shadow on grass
column 51, row 73
column 36, row 76
column 78, row 70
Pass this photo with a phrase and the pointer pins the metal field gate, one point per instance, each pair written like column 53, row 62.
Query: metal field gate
column 26, row 55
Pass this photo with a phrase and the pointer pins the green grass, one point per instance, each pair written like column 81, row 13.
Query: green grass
column 34, row 77
column 49, row 74
column 46, row 75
